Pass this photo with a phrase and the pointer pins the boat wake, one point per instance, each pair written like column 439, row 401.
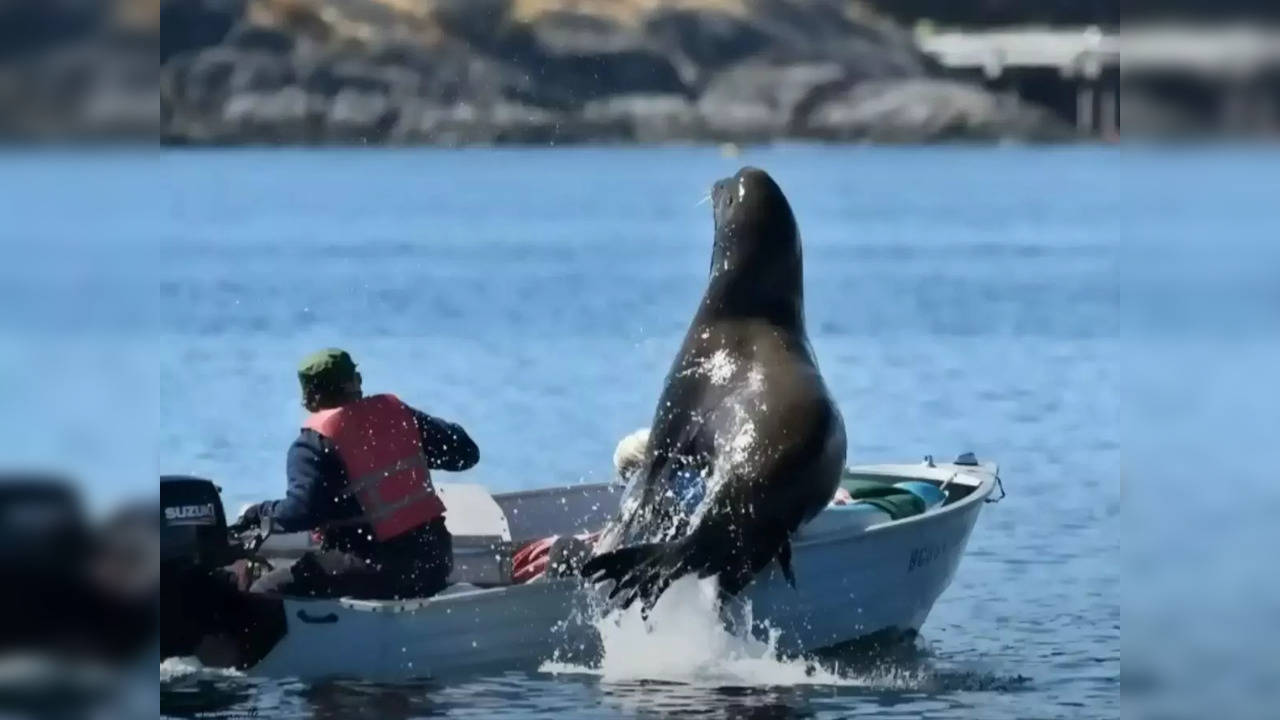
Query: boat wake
column 685, row 641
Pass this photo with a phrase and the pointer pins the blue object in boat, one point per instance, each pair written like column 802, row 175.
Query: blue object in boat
column 688, row 488
column 928, row 492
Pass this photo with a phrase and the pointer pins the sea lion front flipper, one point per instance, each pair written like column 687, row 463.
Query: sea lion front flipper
column 619, row 566
column 784, row 561
column 644, row 572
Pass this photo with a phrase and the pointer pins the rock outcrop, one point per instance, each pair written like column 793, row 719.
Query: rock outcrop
column 542, row 71
column 920, row 110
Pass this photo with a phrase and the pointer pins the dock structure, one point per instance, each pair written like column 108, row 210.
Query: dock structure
column 1081, row 72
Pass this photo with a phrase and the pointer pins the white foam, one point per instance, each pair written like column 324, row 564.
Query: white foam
column 685, row 641
column 174, row 668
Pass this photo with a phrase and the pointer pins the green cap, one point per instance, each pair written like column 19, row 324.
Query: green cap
column 330, row 368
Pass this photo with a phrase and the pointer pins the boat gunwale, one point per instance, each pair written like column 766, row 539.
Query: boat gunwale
column 985, row 484
column 878, row 469
column 554, row 490
column 984, row 475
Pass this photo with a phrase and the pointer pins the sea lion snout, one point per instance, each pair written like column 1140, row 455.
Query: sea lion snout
column 721, row 200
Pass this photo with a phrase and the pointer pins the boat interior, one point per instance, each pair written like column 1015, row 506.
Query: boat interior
column 489, row 528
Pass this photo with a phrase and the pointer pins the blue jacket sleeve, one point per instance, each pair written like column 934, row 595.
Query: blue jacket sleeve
column 446, row 445
column 300, row 509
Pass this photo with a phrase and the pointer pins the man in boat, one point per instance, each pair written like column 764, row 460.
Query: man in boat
column 359, row 476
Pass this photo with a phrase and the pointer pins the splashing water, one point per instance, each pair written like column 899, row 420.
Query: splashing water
column 686, row 641
column 741, row 444
column 717, row 367
column 175, row 668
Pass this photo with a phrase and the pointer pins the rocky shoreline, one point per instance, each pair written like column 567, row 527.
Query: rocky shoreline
column 464, row 72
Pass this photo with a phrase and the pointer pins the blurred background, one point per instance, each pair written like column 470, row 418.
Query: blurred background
column 1028, row 233
column 450, row 72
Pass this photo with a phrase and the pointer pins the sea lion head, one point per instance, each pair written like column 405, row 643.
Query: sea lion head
column 756, row 265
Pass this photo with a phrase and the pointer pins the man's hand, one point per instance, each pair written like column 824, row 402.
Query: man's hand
column 239, row 574
column 250, row 518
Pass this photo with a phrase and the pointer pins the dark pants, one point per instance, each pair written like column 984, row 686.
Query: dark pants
column 416, row 565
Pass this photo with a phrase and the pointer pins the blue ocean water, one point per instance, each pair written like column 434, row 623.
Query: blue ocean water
column 957, row 299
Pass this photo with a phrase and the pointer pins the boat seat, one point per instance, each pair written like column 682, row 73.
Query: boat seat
column 472, row 511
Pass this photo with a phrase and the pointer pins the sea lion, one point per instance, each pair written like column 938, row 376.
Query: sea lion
column 746, row 444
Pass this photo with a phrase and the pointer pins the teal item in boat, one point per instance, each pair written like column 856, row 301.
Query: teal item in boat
column 896, row 502
column 931, row 495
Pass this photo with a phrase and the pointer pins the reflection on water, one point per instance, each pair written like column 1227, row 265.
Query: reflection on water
column 900, row 681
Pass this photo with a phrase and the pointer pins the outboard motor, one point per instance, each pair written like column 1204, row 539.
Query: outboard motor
column 201, row 606
column 194, row 526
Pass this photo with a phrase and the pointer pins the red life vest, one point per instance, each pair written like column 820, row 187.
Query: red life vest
column 378, row 440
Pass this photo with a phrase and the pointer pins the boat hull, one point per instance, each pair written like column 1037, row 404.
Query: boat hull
column 853, row 582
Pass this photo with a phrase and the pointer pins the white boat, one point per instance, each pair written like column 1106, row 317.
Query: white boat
column 859, row 576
